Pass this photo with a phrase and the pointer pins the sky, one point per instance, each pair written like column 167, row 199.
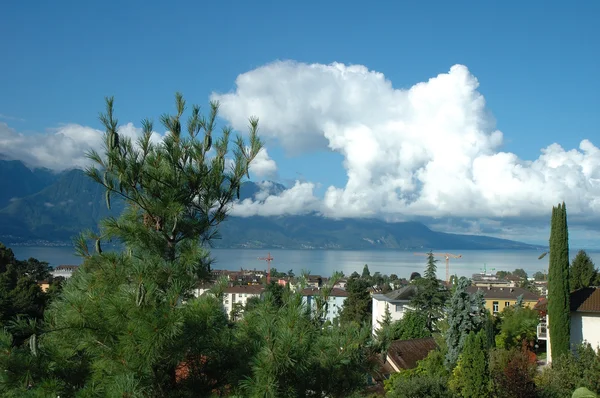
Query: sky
column 473, row 117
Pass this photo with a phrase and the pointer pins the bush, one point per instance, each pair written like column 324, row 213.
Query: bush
column 513, row 373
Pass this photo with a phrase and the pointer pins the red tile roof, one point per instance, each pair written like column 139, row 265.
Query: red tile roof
column 586, row 300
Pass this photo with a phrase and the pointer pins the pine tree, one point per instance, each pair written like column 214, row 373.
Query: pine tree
column 431, row 295
column 467, row 314
column 582, row 272
column 126, row 324
column 558, row 283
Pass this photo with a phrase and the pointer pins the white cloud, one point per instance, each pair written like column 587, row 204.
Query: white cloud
column 60, row 148
column 298, row 199
column 263, row 166
column 431, row 150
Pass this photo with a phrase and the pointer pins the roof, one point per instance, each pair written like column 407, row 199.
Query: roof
column 247, row 289
column 502, row 293
column 406, row 353
column 586, row 300
column 66, row 268
column 405, row 293
column 541, row 305
column 335, row 292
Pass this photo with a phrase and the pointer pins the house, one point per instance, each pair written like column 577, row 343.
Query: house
column 585, row 318
column 44, row 285
column 401, row 355
column 335, row 302
column 66, row 271
column 496, row 298
column 395, row 301
column 240, row 295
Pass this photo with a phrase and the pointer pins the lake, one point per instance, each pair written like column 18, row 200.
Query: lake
column 325, row 262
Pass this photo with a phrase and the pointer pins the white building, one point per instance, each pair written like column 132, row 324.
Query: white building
column 65, row 271
column 396, row 301
column 240, row 295
column 335, row 302
column 585, row 318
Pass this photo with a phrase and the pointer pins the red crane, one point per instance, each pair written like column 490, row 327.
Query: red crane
column 268, row 259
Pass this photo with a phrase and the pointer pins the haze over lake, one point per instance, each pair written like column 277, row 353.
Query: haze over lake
column 325, row 262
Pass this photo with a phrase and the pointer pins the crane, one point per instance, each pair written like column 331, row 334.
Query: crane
column 447, row 256
column 268, row 259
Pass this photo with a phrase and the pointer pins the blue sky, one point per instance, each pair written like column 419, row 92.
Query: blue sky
column 536, row 61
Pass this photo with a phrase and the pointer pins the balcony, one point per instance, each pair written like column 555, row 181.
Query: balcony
column 542, row 331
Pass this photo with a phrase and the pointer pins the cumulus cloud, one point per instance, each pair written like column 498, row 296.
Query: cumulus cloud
column 431, row 150
column 263, row 166
column 60, row 148
column 298, row 199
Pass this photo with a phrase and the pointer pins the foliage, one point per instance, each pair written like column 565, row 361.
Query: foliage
column 582, row 272
column 128, row 319
column 293, row 356
column 571, row 371
column 431, row 295
column 558, row 283
column 517, row 325
column 520, row 272
column 19, row 292
column 357, row 306
column 540, row 276
column 411, row 385
column 467, row 314
column 366, row 273
column 413, row 325
column 513, row 373
column 470, row 377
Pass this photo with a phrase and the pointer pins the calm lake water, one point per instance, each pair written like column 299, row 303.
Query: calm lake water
column 325, row 262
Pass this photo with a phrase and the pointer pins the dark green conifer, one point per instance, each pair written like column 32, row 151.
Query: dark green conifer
column 558, row 283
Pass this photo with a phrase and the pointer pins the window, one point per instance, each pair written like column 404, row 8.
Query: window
column 506, row 303
column 495, row 306
column 398, row 307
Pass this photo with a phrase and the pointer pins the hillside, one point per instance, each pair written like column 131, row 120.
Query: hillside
column 71, row 202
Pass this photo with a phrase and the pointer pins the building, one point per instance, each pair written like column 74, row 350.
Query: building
column 496, row 298
column 396, row 301
column 66, row 271
column 335, row 302
column 585, row 317
column 240, row 295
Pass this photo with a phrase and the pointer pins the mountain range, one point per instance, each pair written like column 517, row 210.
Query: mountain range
column 40, row 207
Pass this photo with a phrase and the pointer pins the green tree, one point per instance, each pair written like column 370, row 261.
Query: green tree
column 582, row 272
column 413, row 325
column 128, row 319
column 502, row 274
column 431, row 295
column 470, row 378
column 520, row 272
column 366, row 273
column 358, row 304
column 467, row 314
column 558, row 283
column 518, row 325
column 540, row 276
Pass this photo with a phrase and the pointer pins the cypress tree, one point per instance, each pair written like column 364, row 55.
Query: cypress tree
column 558, row 283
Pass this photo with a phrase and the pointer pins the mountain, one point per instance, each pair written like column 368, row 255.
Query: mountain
column 20, row 180
column 69, row 202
